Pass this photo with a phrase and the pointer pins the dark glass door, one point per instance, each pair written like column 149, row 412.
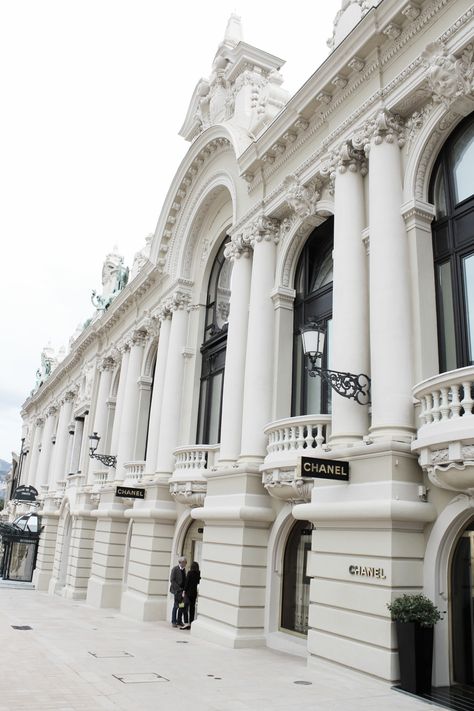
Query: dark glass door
column 295, row 592
column 462, row 588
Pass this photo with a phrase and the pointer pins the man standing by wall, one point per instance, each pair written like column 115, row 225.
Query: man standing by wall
column 177, row 581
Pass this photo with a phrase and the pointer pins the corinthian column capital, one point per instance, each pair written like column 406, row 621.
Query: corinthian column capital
column 264, row 229
column 238, row 247
column 351, row 159
column 383, row 127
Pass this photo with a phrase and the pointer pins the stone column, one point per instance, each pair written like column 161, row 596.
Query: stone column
column 128, row 419
column 350, row 350
column 172, row 391
column 32, row 469
column 46, row 446
column 390, row 298
column 257, row 405
column 157, row 394
column 234, row 376
column 62, row 440
column 101, row 409
column 76, row 445
column 124, row 349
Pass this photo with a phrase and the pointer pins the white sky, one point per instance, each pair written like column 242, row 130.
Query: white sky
column 93, row 94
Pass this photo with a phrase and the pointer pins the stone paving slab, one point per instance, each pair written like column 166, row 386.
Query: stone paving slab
column 51, row 668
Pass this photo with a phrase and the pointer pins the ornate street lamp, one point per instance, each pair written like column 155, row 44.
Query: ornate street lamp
column 348, row 385
column 110, row 460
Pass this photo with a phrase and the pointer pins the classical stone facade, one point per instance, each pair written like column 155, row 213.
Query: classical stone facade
column 324, row 206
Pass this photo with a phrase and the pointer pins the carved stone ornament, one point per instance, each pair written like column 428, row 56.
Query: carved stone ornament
column 263, row 229
column 301, row 198
column 189, row 493
column 448, row 77
column 238, row 247
column 285, row 486
column 351, row 159
column 385, row 126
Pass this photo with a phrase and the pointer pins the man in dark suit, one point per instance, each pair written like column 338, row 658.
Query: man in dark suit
column 177, row 581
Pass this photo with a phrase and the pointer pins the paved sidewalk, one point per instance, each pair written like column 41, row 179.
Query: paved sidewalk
column 77, row 658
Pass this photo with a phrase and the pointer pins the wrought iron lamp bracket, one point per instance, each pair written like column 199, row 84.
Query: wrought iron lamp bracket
column 109, row 460
column 349, row 385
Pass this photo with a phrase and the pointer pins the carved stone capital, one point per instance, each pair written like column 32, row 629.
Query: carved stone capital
column 238, row 247
column 385, row 126
column 179, row 301
column 302, row 199
column 448, row 77
column 264, row 229
column 106, row 363
column 138, row 338
column 351, row 159
column 39, row 421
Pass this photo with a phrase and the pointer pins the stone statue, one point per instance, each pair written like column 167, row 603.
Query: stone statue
column 114, row 279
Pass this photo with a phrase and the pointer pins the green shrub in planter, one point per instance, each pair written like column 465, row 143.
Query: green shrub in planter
column 414, row 608
column 415, row 616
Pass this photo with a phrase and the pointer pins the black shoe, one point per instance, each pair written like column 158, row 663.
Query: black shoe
column 174, row 625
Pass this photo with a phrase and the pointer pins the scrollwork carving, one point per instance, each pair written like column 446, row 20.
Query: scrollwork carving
column 448, row 77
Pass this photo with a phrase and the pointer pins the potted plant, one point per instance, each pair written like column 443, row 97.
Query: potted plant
column 415, row 616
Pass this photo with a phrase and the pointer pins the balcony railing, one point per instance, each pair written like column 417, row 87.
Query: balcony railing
column 188, row 485
column 194, row 459
column 288, row 440
column 445, row 438
column 133, row 471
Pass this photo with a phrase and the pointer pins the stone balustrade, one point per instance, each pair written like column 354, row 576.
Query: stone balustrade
column 290, row 437
column 101, row 477
column 288, row 440
column 194, row 459
column 445, row 437
column 134, row 471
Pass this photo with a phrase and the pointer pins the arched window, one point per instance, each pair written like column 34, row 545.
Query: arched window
column 452, row 192
column 313, row 285
column 213, row 350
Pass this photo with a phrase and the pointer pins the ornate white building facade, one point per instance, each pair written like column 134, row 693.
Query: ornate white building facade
column 350, row 203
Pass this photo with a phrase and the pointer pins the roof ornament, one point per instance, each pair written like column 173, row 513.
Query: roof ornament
column 114, row 279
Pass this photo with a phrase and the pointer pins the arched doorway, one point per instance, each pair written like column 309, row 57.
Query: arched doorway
column 295, row 583
column 192, row 544
column 462, row 607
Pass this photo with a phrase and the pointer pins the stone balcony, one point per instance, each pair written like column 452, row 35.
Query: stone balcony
column 133, row 472
column 188, row 485
column 102, row 477
column 445, row 438
column 288, row 440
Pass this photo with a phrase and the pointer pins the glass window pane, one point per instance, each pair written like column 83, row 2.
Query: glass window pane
column 322, row 273
column 463, row 164
column 468, row 273
column 202, row 412
column 447, row 332
column 440, row 194
column 295, row 592
column 214, row 414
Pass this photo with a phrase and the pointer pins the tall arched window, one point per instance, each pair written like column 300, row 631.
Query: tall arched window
column 452, row 192
column 313, row 285
column 213, row 350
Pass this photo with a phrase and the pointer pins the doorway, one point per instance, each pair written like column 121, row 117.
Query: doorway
column 462, row 618
column 295, row 588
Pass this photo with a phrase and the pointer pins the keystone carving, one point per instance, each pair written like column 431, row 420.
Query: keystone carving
column 301, row 198
column 448, row 77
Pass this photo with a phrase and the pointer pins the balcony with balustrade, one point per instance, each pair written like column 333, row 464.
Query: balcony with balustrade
column 445, row 438
column 288, row 441
column 133, row 472
column 188, row 484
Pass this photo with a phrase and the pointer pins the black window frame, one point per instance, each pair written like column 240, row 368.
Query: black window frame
column 450, row 247
column 311, row 306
